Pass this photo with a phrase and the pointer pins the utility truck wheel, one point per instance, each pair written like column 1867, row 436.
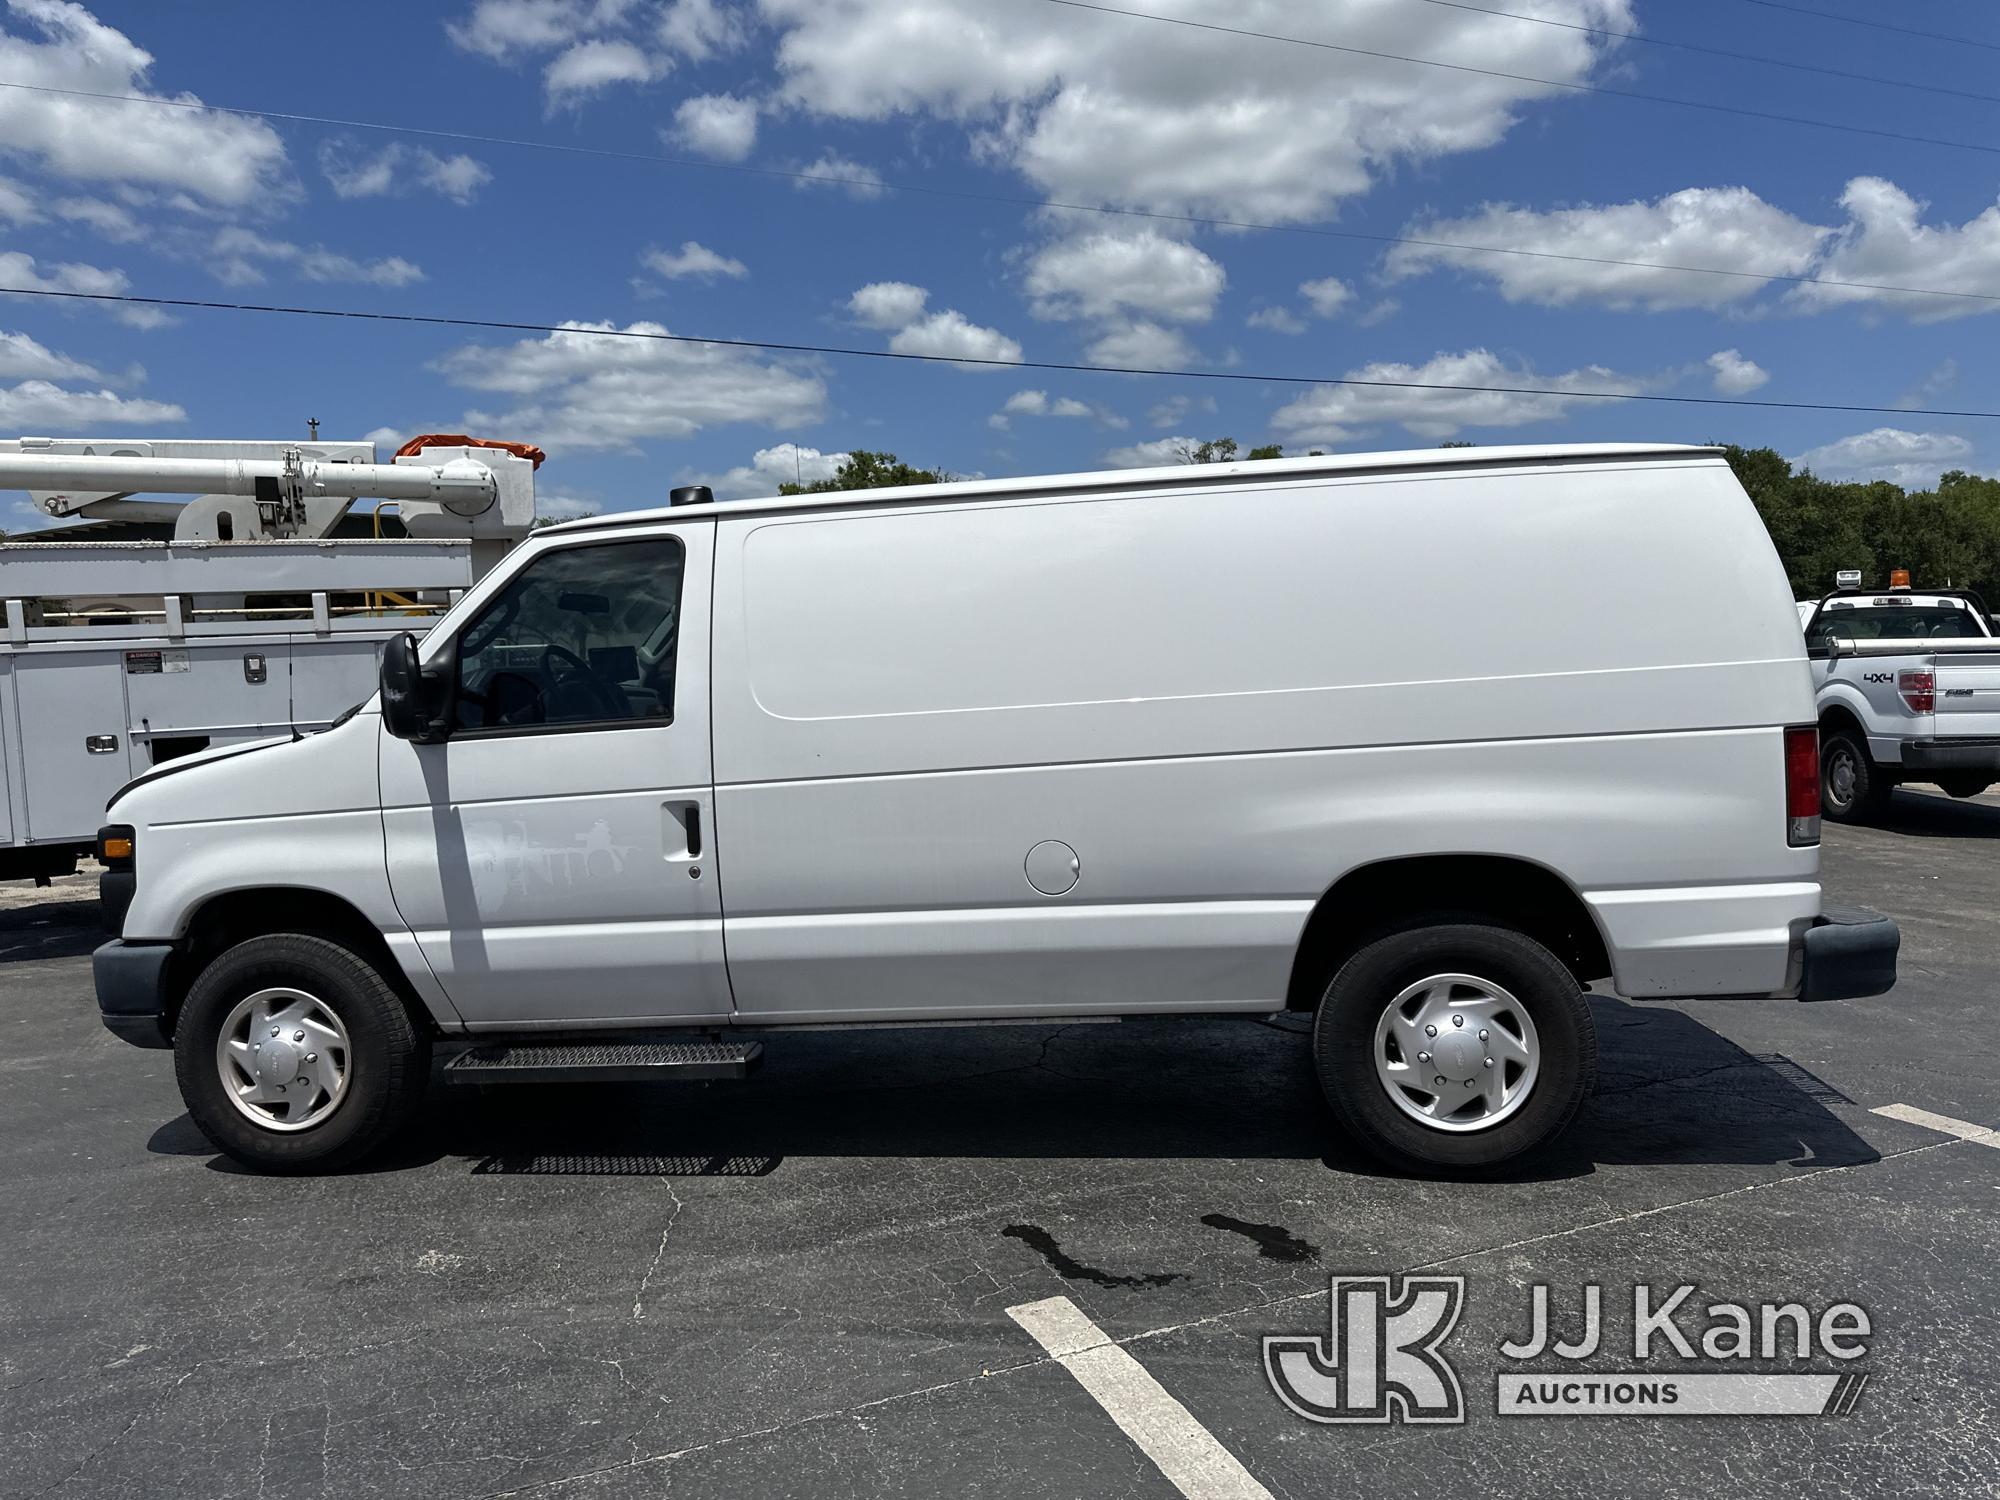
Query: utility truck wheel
column 1852, row 789
column 1454, row 1048
column 294, row 1054
column 1964, row 786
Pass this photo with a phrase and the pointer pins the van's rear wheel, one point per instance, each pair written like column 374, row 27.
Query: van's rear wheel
column 1457, row 1047
column 1852, row 789
column 294, row 1054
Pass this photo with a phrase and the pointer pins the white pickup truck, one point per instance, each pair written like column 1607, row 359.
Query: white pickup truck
column 1908, row 689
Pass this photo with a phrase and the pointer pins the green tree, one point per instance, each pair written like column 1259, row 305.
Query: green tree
column 866, row 470
column 1223, row 450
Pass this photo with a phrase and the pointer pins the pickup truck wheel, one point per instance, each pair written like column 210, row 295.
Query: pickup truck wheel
column 1851, row 787
column 294, row 1054
column 1454, row 1048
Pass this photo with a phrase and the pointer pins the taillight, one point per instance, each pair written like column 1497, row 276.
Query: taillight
column 1802, row 786
column 1919, row 690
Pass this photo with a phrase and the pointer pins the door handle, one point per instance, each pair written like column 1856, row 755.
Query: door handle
column 683, row 840
column 100, row 744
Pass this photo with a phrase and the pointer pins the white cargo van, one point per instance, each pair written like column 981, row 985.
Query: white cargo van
column 1417, row 743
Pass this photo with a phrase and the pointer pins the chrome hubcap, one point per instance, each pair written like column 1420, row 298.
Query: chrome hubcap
column 283, row 1058
column 1456, row 1052
column 1840, row 777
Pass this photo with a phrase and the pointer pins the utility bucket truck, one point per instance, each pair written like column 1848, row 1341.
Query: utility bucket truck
column 157, row 628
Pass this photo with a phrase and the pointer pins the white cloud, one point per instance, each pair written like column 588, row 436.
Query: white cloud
column 565, row 507
column 1726, row 228
column 591, row 67
column 386, row 440
column 20, row 270
column 897, row 308
column 1110, row 273
column 1276, row 320
column 1327, row 296
column 596, row 43
column 501, row 29
column 1911, row 459
column 842, row 174
column 1173, row 410
column 1734, row 375
column 952, row 335
column 1152, row 454
column 37, row 406
column 572, row 389
column 16, row 206
column 787, row 463
column 692, row 260
column 1042, row 404
column 1140, row 345
column 1335, row 413
column 22, row 357
column 225, row 159
column 242, row 254
column 1885, row 241
column 698, row 29
column 397, row 169
column 1135, row 113
column 888, row 304
column 717, row 125
column 1939, row 379
column 108, row 219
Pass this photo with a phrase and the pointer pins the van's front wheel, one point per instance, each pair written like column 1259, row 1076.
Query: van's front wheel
column 1454, row 1047
column 294, row 1054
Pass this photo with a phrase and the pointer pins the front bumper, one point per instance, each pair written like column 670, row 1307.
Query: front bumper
column 1849, row 953
column 1981, row 755
column 131, row 981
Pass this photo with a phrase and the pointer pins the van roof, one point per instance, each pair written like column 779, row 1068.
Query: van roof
column 1176, row 475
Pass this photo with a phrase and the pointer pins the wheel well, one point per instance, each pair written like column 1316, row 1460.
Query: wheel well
column 1840, row 716
column 1373, row 898
column 223, row 921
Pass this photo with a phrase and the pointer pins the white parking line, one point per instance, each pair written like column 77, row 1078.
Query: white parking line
column 1183, row 1450
column 1965, row 1130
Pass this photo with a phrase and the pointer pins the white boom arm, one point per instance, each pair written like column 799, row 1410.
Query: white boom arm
column 463, row 485
column 265, row 491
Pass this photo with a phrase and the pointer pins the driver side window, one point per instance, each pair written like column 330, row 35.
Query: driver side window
column 582, row 635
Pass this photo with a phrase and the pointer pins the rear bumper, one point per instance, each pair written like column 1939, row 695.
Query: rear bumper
column 1981, row 755
column 131, row 980
column 1848, row 954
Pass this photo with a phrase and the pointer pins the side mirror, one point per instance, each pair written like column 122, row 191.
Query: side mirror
column 416, row 704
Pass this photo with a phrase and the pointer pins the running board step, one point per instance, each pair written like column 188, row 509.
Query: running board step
column 604, row 1062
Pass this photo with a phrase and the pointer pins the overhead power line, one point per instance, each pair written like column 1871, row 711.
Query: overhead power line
column 1740, row 111
column 1828, row 15
column 966, row 195
column 514, row 325
column 1707, row 51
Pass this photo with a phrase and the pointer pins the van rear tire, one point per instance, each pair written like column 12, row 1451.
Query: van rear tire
column 1852, row 788
column 1514, row 1074
column 354, row 1062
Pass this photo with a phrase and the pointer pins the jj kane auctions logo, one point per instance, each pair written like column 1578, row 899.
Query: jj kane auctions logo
column 1382, row 1357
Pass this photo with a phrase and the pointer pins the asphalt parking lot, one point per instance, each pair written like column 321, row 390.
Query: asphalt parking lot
column 800, row 1285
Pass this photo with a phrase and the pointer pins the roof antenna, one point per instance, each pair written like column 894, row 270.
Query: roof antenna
column 312, row 429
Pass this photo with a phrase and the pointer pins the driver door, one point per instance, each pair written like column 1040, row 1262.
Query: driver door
column 553, row 856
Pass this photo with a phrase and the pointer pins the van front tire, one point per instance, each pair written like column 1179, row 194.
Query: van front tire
column 1484, row 1008
column 355, row 1062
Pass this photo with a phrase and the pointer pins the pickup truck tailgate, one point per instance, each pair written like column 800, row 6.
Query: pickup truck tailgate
column 1968, row 691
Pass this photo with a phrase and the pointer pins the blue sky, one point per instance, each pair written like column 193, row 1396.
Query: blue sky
column 1023, row 99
